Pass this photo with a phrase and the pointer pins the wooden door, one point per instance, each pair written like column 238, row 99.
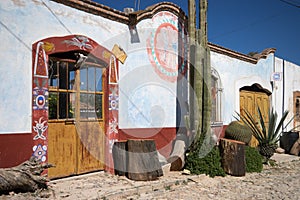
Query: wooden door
column 90, row 146
column 76, row 118
column 249, row 100
column 62, row 151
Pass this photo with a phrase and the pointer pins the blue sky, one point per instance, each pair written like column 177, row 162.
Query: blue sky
column 244, row 25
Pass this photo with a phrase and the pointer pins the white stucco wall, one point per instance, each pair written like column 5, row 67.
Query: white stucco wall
column 285, row 88
column 147, row 99
column 24, row 22
column 235, row 74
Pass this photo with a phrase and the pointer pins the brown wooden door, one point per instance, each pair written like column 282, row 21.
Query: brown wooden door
column 90, row 146
column 249, row 100
column 74, row 151
column 62, row 151
column 76, row 118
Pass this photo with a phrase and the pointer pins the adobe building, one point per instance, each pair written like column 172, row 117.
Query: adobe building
column 78, row 76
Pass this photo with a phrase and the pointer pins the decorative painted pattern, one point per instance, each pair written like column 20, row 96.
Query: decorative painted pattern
column 112, row 132
column 40, row 101
column 40, row 95
column 113, row 126
column 40, row 92
column 167, row 47
column 113, row 99
column 40, row 65
column 40, row 128
column 113, row 71
column 81, row 42
column 40, row 152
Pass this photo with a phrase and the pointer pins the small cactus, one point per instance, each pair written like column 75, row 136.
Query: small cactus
column 238, row 131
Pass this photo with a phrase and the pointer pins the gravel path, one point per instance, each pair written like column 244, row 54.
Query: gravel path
column 274, row 182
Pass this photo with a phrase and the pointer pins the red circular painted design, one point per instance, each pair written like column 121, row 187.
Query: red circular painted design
column 167, row 52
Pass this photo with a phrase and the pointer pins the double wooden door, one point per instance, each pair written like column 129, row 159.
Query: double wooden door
column 76, row 118
column 250, row 100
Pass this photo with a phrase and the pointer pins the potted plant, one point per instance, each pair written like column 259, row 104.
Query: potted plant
column 267, row 137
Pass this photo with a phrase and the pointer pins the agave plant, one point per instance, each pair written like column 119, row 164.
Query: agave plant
column 269, row 136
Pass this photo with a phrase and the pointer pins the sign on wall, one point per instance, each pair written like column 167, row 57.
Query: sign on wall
column 276, row 76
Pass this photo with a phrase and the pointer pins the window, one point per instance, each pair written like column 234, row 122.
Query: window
column 61, row 91
column 216, row 92
column 91, row 94
column 71, row 88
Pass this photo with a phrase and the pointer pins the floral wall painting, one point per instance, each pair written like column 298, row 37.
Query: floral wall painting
column 167, row 46
column 40, row 152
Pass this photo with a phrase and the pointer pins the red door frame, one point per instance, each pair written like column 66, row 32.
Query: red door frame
column 40, row 52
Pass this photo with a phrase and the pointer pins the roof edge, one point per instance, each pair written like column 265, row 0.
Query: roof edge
column 119, row 16
column 241, row 56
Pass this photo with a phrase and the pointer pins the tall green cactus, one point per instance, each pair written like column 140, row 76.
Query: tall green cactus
column 200, row 75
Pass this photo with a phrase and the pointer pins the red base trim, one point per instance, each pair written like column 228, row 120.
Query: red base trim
column 163, row 137
column 15, row 149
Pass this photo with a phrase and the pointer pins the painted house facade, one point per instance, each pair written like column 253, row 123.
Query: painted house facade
column 241, row 82
column 78, row 76
column 245, row 82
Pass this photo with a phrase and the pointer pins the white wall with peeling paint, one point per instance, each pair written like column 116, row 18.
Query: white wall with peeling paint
column 235, row 74
column 23, row 23
column 148, row 99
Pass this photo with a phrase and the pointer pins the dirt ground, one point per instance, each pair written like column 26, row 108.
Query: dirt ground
column 280, row 181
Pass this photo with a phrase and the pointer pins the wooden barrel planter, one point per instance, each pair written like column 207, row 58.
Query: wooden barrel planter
column 119, row 152
column 137, row 160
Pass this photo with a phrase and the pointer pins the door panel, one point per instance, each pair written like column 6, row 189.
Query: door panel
column 75, row 149
column 246, row 102
column 249, row 100
column 61, row 149
column 90, row 146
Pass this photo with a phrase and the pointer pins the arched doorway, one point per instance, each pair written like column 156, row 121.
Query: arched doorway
column 70, row 104
column 252, row 97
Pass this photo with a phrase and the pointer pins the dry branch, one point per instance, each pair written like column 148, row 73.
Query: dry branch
column 25, row 177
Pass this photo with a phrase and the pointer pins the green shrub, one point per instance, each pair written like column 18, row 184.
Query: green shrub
column 209, row 165
column 254, row 160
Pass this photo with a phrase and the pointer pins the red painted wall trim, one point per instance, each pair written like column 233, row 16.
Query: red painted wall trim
column 163, row 137
column 15, row 149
